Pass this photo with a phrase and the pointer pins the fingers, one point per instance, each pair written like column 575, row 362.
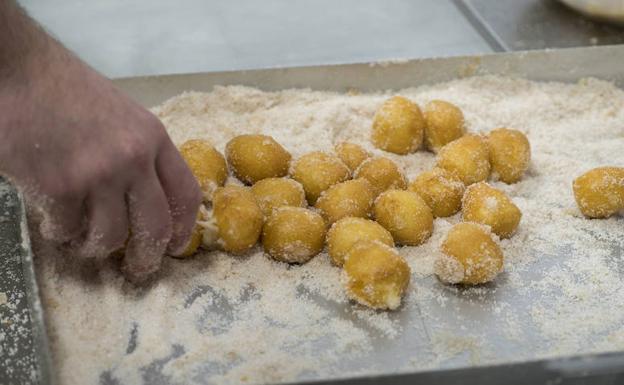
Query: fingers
column 63, row 219
column 150, row 224
column 183, row 195
column 107, row 215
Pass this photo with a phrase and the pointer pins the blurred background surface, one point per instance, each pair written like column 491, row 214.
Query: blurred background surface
column 141, row 37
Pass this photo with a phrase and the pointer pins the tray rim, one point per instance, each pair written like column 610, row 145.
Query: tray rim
column 597, row 369
column 562, row 368
column 483, row 60
column 37, row 313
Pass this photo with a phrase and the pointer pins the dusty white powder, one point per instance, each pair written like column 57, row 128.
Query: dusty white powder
column 222, row 319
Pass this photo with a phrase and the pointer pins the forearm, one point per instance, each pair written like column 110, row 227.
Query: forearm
column 21, row 41
column 31, row 64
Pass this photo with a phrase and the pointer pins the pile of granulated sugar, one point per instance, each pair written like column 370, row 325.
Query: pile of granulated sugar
column 223, row 319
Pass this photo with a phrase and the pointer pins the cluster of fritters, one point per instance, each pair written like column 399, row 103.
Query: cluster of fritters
column 361, row 206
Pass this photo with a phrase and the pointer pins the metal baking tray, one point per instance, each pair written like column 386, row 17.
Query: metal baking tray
column 567, row 65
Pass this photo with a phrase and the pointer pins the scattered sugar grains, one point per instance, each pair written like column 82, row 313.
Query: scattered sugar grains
column 225, row 319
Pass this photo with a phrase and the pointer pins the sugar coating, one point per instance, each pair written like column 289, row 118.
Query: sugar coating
column 398, row 126
column 405, row 215
column 272, row 193
column 351, row 154
column 382, row 174
column 441, row 190
column 353, row 198
column 256, row 157
column 237, row 217
column 207, row 164
column 599, row 192
column 444, row 123
column 467, row 158
column 293, row 234
column 317, row 171
column 510, row 153
column 232, row 319
column 347, row 232
column 490, row 206
column 375, row 275
column 470, row 255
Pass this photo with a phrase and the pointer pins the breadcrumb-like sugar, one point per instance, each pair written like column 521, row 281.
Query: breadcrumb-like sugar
column 228, row 319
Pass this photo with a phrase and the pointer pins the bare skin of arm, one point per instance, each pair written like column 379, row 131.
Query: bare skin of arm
column 98, row 165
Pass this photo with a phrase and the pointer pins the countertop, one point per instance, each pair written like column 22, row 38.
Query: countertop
column 128, row 38
column 143, row 37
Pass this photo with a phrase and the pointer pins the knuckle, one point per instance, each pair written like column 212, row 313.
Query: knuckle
column 156, row 125
column 153, row 126
column 152, row 121
column 145, row 142
column 138, row 153
column 102, row 174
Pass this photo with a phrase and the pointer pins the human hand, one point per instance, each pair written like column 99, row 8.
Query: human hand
column 98, row 165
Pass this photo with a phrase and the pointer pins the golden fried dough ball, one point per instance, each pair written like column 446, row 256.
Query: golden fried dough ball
column 484, row 204
column 376, row 275
column 470, row 255
column 405, row 215
column 255, row 157
column 382, row 174
column 272, row 193
column 206, row 163
column 444, row 123
column 467, row 158
column 293, row 234
column 317, row 171
column 351, row 154
column 510, row 153
column 353, row 198
column 194, row 242
column 599, row 193
column 347, row 232
column 398, row 126
column 237, row 218
column 441, row 190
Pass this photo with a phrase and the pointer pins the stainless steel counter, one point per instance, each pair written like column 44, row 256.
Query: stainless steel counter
column 144, row 37
column 512, row 25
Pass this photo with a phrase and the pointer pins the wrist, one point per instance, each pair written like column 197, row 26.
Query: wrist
column 22, row 92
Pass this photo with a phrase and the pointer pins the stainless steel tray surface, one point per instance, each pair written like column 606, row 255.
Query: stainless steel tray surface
column 560, row 65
